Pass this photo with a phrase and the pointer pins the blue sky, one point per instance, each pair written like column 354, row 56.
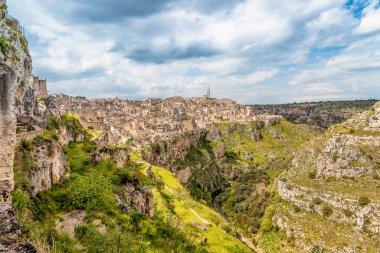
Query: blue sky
column 254, row 51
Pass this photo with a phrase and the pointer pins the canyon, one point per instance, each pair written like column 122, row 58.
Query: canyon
column 181, row 174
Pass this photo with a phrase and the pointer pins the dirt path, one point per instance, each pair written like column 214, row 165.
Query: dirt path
column 199, row 217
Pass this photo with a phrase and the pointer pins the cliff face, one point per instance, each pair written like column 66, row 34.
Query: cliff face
column 15, row 81
column 49, row 166
column 166, row 152
column 16, row 99
column 7, row 126
column 336, row 178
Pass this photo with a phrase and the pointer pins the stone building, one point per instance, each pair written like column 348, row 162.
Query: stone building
column 40, row 87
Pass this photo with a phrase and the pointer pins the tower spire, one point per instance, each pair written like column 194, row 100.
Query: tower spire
column 208, row 92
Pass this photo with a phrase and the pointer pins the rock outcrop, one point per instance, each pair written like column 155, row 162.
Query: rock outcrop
column 140, row 198
column 10, row 233
column 52, row 108
column 7, row 126
column 120, row 155
column 49, row 166
column 165, row 152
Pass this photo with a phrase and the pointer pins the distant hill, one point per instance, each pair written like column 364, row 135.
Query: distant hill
column 322, row 114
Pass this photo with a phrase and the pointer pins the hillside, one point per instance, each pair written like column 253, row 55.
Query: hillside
column 333, row 184
column 322, row 114
column 233, row 168
column 107, row 202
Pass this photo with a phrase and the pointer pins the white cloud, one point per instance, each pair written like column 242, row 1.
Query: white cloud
column 263, row 52
column 371, row 20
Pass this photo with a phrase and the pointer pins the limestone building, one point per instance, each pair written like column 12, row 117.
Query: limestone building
column 40, row 87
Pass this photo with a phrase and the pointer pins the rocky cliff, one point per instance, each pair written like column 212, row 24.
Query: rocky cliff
column 16, row 100
column 166, row 151
column 49, row 166
column 336, row 177
column 16, row 86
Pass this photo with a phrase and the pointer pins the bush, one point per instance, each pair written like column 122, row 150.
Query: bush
column 20, row 200
column 4, row 45
column 348, row 213
column 266, row 224
column 317, row 201
column 26, row 144
column 296, row 209
column 327, row 211
column 313, row 174
column 231, row 155
column 89, row 192
column 363, row 201
column 52, row 124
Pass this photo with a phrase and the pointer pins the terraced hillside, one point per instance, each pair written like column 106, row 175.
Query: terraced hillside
column 330, row 197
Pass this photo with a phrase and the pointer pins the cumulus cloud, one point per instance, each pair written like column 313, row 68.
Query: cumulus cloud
column 253, row 51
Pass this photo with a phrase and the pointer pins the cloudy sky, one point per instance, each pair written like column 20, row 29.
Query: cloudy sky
column 254, row 51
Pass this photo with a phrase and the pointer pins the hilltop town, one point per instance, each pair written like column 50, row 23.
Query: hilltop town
column 158, row 117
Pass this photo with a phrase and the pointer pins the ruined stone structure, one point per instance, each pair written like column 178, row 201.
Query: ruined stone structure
column 40, row 87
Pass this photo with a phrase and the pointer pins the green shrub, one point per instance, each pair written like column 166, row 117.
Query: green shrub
column 20, row 200
column 296, row 209
column 231, row 155
column 89, row 192
column 27, row 161
column 317, row 201
column 15, row 53
column 52, row 124
column 26, row 144
column 348, row 213
column 352, row 131
column 327, row 211
column 4, row 7
column 266, row 224
column 313, row 174
column 24, row 44
column 363, row 201
column 4, row 45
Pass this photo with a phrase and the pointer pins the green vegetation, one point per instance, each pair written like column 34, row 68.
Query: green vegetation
column 15, row 54
column 52, row 124
column 4, row 45
column 4, row 7
column 313, row 174
column 317, row 201
column 327, row 211
column 363, row 201
column 348, row 213
column 91, row 188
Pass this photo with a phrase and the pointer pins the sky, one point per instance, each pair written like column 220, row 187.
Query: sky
column 252, row 51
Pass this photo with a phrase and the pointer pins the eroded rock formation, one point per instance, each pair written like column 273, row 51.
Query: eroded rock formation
column 49, row 166
column 7, row 126
column 140, row 198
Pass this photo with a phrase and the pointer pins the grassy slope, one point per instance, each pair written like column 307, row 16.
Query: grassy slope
column 91, row 188
column 218, row 239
